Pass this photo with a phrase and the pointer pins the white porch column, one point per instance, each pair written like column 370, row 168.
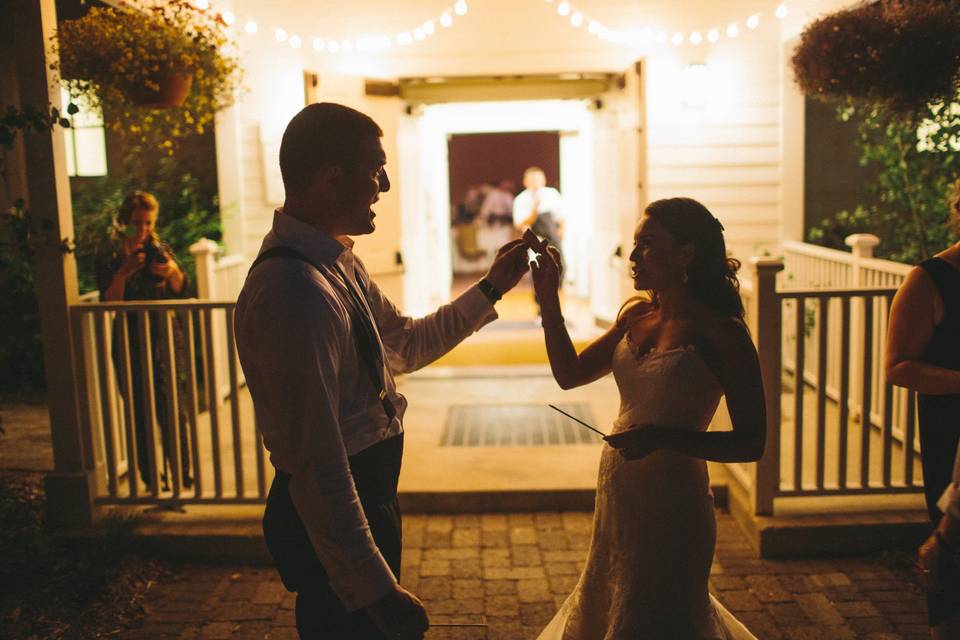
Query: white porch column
column 767, row 313
column 70, row 486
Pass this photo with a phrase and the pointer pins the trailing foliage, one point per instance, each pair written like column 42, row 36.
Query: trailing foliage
column 907, row 205
column 897, row 55
column 110, row 55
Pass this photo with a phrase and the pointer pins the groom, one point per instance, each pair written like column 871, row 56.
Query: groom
column 319, row 344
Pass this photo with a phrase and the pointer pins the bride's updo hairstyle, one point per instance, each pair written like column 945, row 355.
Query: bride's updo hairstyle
column 711, row 276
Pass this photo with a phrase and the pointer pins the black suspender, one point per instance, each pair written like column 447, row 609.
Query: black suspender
column 364, row 328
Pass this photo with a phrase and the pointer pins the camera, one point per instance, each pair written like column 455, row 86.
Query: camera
column 153, row 254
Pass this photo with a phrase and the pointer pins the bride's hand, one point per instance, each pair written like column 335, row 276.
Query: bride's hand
column 637, row 442
column 548, row 269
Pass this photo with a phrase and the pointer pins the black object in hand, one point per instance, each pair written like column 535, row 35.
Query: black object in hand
column 153, row 254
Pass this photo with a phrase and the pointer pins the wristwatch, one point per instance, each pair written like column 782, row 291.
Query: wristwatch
column 489, row 290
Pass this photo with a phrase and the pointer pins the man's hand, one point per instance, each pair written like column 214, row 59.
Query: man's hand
column 399, row 614
column 509, row 266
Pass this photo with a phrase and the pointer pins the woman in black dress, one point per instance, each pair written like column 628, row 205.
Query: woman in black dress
column 923, row 355
column 134, row 264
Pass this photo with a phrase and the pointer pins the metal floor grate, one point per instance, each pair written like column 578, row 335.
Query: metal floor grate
column 510, row 425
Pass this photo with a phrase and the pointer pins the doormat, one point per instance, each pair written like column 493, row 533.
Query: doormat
column 513, row 425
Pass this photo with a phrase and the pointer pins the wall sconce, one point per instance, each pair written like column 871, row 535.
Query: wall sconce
column 695, row 85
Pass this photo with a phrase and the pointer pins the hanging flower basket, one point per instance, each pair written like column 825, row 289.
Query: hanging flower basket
column 159, row 69
column 900, row 55
column 165, row 92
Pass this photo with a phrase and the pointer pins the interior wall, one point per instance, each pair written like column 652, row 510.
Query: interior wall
column 477, row 158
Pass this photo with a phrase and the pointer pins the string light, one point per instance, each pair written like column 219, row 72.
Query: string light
column 367, row 43
column 637, row 37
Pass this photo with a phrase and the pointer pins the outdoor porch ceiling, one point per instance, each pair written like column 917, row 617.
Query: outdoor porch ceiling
column 515, row 25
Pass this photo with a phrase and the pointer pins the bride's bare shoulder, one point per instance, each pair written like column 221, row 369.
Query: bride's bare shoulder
column 633, row 310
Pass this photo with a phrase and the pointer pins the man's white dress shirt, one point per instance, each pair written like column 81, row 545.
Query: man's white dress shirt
column 314, row 401
column 550, row 202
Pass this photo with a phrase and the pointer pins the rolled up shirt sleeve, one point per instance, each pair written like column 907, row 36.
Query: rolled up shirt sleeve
column 291, row 357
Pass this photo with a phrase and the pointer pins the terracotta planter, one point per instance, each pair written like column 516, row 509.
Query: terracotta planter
column 173, row 91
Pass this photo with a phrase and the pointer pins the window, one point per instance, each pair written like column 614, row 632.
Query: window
column 85, row 140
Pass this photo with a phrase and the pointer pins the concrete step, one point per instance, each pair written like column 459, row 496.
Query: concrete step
column 826, row 535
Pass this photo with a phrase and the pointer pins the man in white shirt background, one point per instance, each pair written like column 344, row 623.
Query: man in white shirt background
column 319, row 344
column 541, row 208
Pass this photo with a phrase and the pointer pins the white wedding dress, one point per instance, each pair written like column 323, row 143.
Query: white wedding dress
column 654, row 528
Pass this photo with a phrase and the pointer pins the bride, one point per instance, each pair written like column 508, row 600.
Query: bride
column 673, row 353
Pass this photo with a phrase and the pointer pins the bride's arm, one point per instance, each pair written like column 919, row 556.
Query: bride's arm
column 734, row 360
column 569, row 368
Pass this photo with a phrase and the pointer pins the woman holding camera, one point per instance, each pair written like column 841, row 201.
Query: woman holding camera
column 135, row 264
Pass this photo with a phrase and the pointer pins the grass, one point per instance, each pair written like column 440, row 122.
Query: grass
column 90, row 587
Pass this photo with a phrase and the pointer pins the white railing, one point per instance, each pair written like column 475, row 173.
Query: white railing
column 218, row 278
column 825, row 316
column 141, row 380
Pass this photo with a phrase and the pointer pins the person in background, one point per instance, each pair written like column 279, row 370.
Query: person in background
column 540, row 208
column 923, row 355
column 496, row 216
column 135, row 264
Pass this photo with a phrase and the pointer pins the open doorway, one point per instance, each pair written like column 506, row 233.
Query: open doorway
column 486, row 174
column 466, row 145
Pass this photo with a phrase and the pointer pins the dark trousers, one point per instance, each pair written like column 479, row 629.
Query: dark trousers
column 320, row 614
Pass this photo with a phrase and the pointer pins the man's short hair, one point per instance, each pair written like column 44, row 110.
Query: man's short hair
column 533, row 169
column 323, row 133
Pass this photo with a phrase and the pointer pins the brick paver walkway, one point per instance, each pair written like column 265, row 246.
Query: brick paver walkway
column 511, row 571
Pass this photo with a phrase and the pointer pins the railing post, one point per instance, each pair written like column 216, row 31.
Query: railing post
column 862, row 246
column 768, row 318
column 204, row 252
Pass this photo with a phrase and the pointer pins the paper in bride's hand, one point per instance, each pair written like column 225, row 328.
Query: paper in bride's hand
column 635, row 443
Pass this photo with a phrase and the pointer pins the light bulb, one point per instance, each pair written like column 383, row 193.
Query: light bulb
column 429, row 28
column 418, row 34
column 732, row 31
column 280, row 35
column 661, row 36
column 333, row 47
column 576, row 19
column 228, row 17
column 753, row 21
column 460, row 7
column 781, row 12
column 696, row 38
column 404, row 38
column 563, row 8
column 319, row 45
column 250, row 27
column 347, row 46
column 203, row 5
column 593, row 27
column 677, row 38
column 295, row 42
column 713, row 35
column 446, row 19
